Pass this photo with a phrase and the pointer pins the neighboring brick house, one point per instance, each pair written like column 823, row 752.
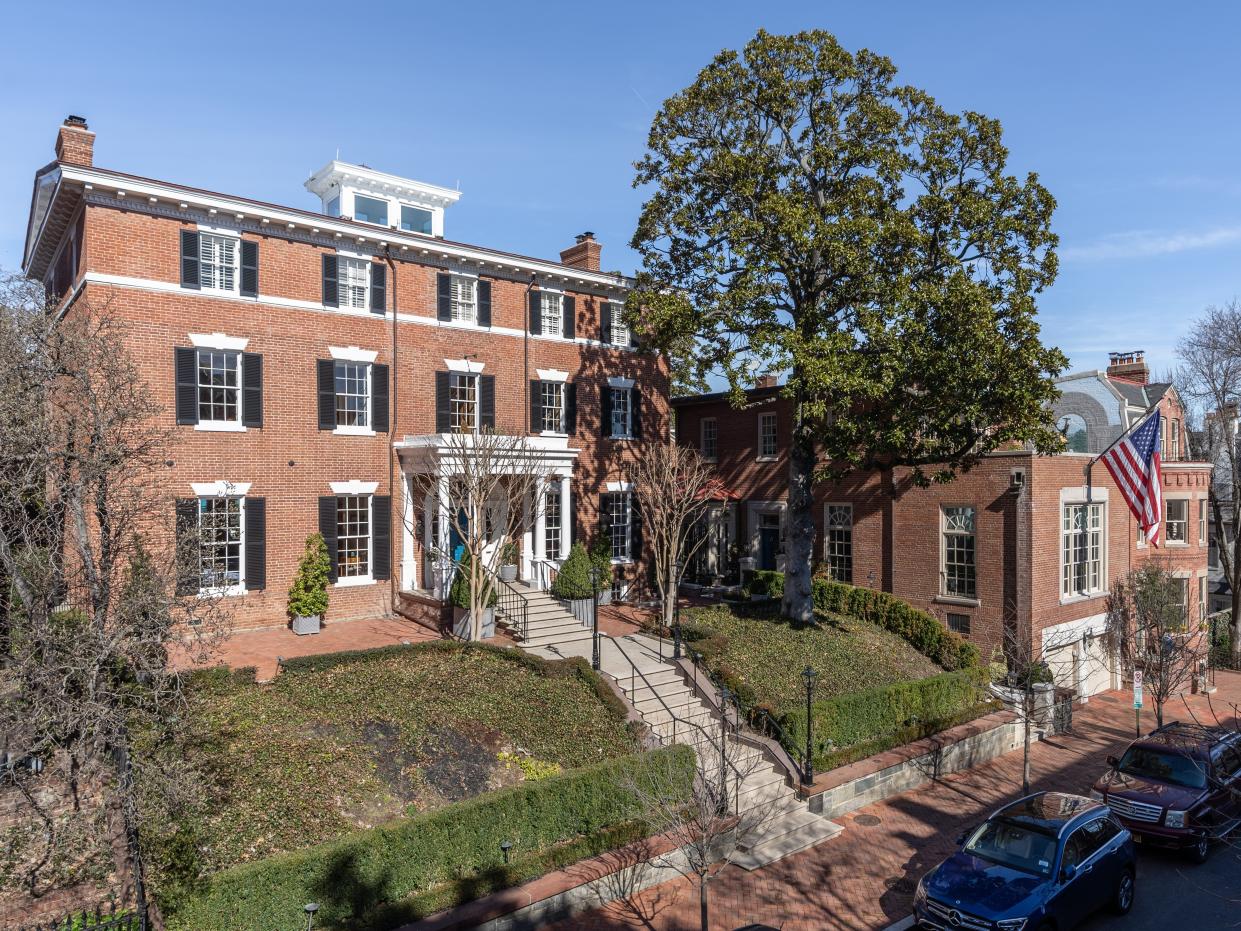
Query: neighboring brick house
column 1014, row 543
column 305, row 358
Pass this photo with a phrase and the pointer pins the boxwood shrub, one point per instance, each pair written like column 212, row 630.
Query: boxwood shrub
column 380, row 878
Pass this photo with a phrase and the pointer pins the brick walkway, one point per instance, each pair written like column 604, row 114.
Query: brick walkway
column 865, row 877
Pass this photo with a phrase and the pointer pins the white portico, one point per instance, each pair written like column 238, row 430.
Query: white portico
column 429, row 464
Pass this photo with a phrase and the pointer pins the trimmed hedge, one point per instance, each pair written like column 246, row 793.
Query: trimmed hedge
column 891, row 714
column 921, row 630
column 366, row 880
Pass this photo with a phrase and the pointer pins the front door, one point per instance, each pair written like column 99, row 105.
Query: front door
column 768, row 541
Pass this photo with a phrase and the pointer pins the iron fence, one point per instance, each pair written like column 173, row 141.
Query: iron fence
column 87, row 920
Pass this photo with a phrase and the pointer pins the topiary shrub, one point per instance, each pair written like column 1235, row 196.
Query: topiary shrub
column 601, row 558
column 572, row 582
column 308, row 593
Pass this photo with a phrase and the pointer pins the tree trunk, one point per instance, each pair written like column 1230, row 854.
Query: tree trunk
column 798, row 604
column 670, row 601
column 703, row 920
column 1234, row 622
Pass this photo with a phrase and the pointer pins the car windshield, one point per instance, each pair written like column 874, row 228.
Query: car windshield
column 1011, row 844
column 1164, row 766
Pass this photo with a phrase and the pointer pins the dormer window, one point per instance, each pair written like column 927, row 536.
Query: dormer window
column 416, row 219
column 371, row 196
column 370, row 210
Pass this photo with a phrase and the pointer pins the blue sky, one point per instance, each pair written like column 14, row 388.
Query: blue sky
column 1129, row 112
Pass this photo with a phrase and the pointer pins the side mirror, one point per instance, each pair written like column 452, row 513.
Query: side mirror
column 1112, row 761
column 1068, row 872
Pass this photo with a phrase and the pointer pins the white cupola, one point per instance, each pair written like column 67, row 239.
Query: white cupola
column 370, row 196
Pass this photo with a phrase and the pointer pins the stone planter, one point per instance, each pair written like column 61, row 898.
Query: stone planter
column 508, row 573
column 461, row 623
column 306, row 624
column 580, row 608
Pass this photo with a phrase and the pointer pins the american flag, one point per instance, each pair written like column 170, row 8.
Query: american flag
column 1134, row 463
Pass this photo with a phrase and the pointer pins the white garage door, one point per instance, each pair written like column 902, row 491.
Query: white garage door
column 1096, row 673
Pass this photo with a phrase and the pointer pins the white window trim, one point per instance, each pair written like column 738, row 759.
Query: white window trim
column 219, row 426
column 551, row 375
column 1067, row 499
column 564, row 406
column 943, row 596
column 366, row 261
column 222, row 426
column 220, row 488
column 356, row 488
column 227, row 591
column 559, row 331
column 625, row 488
column 352, row 354
column 222, row 233
column 827, row 511
column 767, row 458
column 219, row 341
column 615, row 309
column 1190, row 520
column 618, row 486
column 621, row 386
column 464, row 366
column 617, row 382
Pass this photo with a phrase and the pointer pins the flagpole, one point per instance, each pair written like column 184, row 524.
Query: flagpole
column 1125, row 433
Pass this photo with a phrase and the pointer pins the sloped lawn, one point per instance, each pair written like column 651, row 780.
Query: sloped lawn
column 767, row 653
column 323, row 751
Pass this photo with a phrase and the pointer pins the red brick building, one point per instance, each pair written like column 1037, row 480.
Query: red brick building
column 305, row 359
column 1017, row 543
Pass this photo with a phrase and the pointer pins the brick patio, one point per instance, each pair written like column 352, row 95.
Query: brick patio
column 864, row 878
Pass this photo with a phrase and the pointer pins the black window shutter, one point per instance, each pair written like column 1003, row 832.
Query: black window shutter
column 570, row 408
column 569, row 327
column 256, row 544
column 635, row 413
column 189, row 260
column 487, row 402
column 379, row 398
column 635, row 528
column 536, row 405
column 484, row 303
column 249, row 268
column 605, row 409
column 443, row 415
column 327, row 394
column 379, row 287
column 251, row 389
column 331, row 293
column 327, row 528
column 604, row 516
column 186, row 364
column 188, row 566
column 536, row 313
column 605, row 323
column 381, row 537
column 443, row 296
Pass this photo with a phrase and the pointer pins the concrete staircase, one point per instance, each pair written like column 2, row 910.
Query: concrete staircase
column 548, row 624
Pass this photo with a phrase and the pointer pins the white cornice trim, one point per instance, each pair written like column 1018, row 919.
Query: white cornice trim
column 220, row 489
column 354, row 487
column 464, row 365
column 352, row 354
column 552, row 375
column 615, row 382
column 619, row 486
column 219, row 341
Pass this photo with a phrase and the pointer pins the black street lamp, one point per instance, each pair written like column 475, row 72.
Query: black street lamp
column 725, row 698
column 809, row 676
column 676, row 610
column 595, row 579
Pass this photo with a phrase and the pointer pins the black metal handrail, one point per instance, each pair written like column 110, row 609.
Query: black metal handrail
column 551, row 570
column 96, row 920
column 510, row 603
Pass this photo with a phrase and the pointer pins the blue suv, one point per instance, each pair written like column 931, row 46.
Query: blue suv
column 1045, row 861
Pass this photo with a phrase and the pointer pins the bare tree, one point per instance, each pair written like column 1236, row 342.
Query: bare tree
column 719, row 819
column 91, row 563
column 488, row 488
column 1209, row 381
column 672, row 486
column 1149, row 629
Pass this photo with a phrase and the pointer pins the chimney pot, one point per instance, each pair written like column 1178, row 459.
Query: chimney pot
column 1128, row 366
column 75, row 143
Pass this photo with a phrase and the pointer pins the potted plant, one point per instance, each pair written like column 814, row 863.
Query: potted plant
column 308, row 594
column 508, row 562
column 601, row 557
column 459, row 598
column 572, row 584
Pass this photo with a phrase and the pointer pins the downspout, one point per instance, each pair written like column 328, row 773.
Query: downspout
column 393, row 583
column 525, row 347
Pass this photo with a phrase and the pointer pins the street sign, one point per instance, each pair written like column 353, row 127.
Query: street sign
column 1137, row 688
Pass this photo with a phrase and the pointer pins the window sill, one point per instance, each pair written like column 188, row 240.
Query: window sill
column 1175, row 544
column 353, row 431
column 626, row 436
column 211, row 426
column 766, row 458
column 1076, row 599
column 557, row 433
column 354, row 581
column 627, row 561
column 233, row 591
column 958, row 600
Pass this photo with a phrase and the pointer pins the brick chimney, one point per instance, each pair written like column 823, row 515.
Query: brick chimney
column 768, row 380
column 584, row 253
column 75, row 143
column 1128, row 366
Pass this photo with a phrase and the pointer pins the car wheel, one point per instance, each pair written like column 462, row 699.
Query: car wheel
column 1122, row 901
column 1200, row 850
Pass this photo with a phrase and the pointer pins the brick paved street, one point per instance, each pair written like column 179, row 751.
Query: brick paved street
column 865, row 877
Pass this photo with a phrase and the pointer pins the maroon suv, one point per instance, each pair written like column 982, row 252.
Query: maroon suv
column 1179, row 786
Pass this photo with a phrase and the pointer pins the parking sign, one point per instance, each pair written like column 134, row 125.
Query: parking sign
column 1137, row 688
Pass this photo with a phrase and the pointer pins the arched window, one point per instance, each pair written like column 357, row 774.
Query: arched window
column 1073, row 428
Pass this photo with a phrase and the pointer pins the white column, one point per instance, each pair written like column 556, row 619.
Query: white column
column 409, row 571
column 441, row 517
column 566, row 518
column 540, row 523
column 527, row 543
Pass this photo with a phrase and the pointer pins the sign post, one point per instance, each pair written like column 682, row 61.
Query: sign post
column 1137, row 701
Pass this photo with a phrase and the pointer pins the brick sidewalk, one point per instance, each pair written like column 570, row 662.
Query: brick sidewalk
column 865, row 877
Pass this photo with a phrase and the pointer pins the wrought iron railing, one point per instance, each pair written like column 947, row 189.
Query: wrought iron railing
column 86, row 920
column 545, row 572
column 510, row 602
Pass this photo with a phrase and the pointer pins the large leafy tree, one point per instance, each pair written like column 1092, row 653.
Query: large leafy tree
column 810, row 215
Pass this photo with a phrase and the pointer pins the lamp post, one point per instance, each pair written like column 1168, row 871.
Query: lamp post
column 310, row 908
column 725, row 697
column 676, row 610
column 809, row 676
column 594, row 617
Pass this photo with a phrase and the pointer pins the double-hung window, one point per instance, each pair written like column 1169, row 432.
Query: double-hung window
column 217, row 257
column 959, row 568
column 1081, row 549
column 710, row 438
column 622, row 412
column 1202, row 597
column 220, row 529
column 838, row 541
column 353, row 536
column 551, row 523
column 767, row 436
column 618, row 329
column 219, row 386
column 552, row 405
column 463, row 301
column 1202, row 521
column 1175, row 452
column 353, row 394
column 551, row 312
column 463, row 402
column 1177, row 526
column 353, row 282
column 617, row 515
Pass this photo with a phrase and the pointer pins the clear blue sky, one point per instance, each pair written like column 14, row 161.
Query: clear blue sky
column 1129, row 111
